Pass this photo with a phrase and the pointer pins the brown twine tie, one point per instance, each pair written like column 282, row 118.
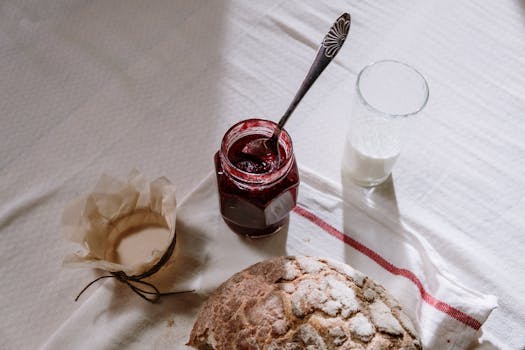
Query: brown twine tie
column 152, row 295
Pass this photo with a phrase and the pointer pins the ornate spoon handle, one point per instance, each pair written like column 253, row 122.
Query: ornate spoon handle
column 330, row 46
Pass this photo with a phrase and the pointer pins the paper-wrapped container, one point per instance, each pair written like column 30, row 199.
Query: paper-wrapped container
column 108, row 222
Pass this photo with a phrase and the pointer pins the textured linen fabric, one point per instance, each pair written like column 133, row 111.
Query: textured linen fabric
column 107, row 86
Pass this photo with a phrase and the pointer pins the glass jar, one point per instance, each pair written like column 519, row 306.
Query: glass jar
column 255, row 204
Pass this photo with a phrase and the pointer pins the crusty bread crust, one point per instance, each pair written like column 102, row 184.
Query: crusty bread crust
column 294, row 303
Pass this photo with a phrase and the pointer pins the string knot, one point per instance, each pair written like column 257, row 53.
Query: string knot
column 145, row 290
column 151, row 293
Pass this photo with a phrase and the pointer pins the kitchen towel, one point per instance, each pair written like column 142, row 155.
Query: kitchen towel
column 345, row 223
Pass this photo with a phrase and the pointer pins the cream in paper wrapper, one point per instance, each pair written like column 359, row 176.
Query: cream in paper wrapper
column 122, row 225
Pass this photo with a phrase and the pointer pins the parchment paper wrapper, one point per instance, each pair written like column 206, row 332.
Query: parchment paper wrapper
column 99, row 219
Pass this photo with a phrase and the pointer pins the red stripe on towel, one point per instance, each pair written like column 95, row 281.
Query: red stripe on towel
column 428, row 298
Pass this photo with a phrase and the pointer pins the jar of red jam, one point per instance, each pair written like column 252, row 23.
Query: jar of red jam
column 256, row 196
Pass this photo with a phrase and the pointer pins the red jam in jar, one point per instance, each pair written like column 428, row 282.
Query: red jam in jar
column 256, row 195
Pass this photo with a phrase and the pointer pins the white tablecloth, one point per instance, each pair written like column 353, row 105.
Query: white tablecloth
column 106, row 86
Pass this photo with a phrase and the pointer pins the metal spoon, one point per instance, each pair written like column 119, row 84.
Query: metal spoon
column 267, row 149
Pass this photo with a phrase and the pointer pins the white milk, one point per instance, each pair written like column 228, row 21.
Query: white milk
column 369, row 156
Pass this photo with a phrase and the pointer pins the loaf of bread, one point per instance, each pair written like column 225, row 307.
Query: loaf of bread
column 295, row 303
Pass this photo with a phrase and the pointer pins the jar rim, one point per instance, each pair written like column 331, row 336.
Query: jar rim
column 255, row 125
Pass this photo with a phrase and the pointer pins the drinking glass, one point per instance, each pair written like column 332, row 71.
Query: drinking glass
column 388, row 94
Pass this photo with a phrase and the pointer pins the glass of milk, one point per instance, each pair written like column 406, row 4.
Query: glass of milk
column 388, row 94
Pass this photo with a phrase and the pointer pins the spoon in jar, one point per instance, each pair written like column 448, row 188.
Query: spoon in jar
column 267, row 149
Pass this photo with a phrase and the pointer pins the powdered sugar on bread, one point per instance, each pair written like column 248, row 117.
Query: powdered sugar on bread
column 301, row 303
